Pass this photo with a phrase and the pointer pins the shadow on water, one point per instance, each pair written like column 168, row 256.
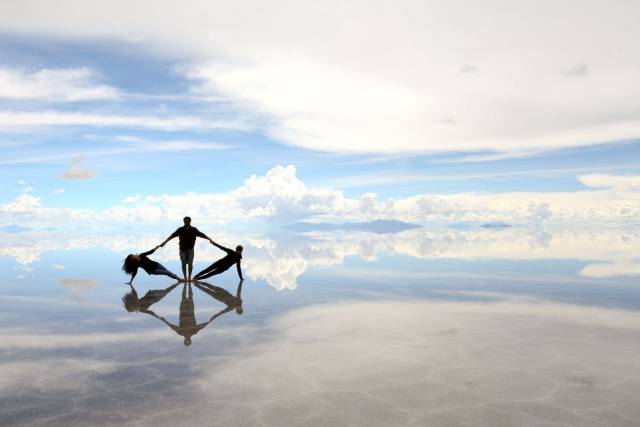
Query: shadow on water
column 187, row 325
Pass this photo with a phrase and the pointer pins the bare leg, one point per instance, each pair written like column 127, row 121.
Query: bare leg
column 190, row 271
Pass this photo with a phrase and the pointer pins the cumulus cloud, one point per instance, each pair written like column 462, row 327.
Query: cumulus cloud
column 131, row 199
column 327, row 90
column 65, row 84
column 280, row 197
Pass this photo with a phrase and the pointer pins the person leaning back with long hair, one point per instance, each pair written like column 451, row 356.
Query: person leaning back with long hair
column 132, row 262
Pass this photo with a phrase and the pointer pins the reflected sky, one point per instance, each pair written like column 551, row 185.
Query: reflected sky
column 447, row 327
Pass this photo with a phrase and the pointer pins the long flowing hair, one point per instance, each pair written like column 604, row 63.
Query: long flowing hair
column 129, row 265
column 130, row 301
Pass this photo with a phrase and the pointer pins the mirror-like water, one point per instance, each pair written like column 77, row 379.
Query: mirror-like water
column 510, row 327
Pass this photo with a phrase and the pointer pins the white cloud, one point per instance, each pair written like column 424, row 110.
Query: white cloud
column 280, row 197
column 28, row 190
column 316, row 76
column 131, row 199
column 21, row 204
column 66, row 84
column 615, row 182
column 16, row 119
column 142, row 144
column 58, row 191
column 21, row 182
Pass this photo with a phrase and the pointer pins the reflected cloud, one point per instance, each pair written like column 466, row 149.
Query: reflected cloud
column 281, row 259
column 420, row 362
column 78, row 286
column 492, row 360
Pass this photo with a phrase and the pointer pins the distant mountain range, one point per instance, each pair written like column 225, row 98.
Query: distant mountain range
column 379, row 226
column 14, row 228
column 495, row 224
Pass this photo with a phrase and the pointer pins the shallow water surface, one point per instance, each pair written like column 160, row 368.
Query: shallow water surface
column 444, row 327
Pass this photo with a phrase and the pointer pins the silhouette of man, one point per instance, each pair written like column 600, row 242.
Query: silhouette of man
column 186, row 240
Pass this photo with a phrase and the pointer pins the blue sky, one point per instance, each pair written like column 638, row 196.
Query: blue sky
column 92, row 114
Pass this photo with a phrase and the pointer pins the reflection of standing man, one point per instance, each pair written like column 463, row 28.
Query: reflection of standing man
column 187, row 325
column 187, row 240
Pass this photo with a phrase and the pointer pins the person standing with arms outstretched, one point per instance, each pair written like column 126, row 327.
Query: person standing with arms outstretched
column 186, row 240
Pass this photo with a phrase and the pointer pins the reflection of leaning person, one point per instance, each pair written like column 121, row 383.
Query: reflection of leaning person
column 186, row 240
column 132, row 262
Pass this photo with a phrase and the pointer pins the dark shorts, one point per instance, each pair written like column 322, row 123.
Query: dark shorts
column 186, row 256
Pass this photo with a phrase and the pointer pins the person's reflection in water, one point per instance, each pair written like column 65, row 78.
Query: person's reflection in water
column 187, row 326
column 232, row 302
column 132, row 303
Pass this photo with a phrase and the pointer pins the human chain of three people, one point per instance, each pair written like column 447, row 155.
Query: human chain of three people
column 187, row 235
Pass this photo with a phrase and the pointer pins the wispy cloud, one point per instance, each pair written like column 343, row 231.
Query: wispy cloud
column 145, row 144
column 342, row 96
column 56, row 85
column 18, row 119
column 615, row 182
column 127, row 145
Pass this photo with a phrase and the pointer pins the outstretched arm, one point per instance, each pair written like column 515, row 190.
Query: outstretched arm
column 204, row 236
column 149, row 252
column 239, row 270
column 162, row 319
column 214, row 317
column 227, row 250
column 174, row 234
